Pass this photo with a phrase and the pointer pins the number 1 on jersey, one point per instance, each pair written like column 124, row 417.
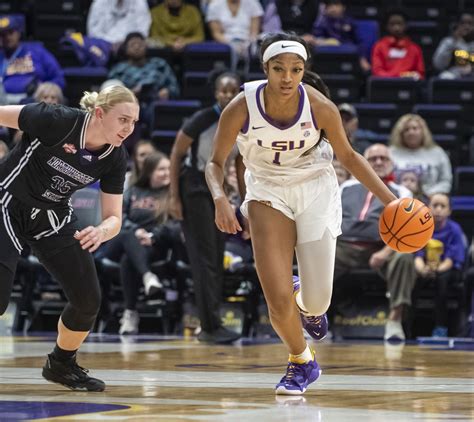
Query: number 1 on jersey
column 276, row 160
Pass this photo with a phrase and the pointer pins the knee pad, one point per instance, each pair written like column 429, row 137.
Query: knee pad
column 80, row 315
column 82, row 289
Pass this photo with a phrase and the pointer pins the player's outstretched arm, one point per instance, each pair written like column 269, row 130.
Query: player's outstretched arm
column 9, row 115
column 329, row 119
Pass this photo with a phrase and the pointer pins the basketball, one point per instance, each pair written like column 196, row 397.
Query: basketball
column 406, row 225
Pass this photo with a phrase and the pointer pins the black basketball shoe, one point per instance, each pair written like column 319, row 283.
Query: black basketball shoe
column 71, row 375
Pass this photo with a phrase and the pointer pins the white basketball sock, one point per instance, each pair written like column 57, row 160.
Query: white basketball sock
column 303, row 357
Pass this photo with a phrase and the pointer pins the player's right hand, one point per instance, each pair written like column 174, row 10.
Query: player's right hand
column 226, row 220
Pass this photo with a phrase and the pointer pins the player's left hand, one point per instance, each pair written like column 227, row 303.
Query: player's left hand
column 90, row 238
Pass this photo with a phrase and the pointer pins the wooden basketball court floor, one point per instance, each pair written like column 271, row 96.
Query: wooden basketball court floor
column 174, row 379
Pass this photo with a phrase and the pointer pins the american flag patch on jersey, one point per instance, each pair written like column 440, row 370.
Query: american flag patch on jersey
column 305, row 125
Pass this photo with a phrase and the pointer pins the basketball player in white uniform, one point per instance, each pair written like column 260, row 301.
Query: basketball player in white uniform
column 292, row 200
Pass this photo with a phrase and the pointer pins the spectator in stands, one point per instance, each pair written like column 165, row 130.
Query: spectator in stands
column 442, row 259
column 142, row 149
column 192, row 203
column 4, row 150
column 24, row 64
column 236, row 23
column 359, row 138
column 294, row 15
column 410, row 178
column 360, row 244
column 463, row 66
column 113, row 20
column 175, row 24
column 395, row 55
column 149, row 78
column 412, row 146
column 144, row 236
column 334, row 27
column 47, row 92
column 461, row 39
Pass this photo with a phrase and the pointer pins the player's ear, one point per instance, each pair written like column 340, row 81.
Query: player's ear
column 99, row 112
column 265, row 68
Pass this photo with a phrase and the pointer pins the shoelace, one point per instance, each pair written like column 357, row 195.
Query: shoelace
column 291, row 372
column 314, row 320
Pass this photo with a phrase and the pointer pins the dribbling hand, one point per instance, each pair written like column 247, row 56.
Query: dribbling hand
column 90, row 238
column 226, row 221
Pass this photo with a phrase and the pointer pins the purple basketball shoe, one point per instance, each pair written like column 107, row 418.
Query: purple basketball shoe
column 315, row 326
column 298, row 376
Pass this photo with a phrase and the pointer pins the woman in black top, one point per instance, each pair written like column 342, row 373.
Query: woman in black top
column 62, row 150
column 146, row 236
column 191, row 201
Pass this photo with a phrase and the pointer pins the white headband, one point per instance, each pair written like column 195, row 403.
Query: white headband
column 280, row 47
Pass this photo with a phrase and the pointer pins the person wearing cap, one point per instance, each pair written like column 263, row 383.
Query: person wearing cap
column 24, row 65
column 359, row 138
column 286, row 129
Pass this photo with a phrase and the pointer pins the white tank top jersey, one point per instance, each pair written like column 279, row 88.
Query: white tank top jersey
column 281, row 155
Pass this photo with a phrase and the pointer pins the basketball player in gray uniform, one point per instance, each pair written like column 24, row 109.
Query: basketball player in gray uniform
column 292, row 199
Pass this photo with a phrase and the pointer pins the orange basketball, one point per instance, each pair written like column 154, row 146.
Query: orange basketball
column 406, row 225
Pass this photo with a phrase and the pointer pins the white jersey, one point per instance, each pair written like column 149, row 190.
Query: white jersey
column 281, row 155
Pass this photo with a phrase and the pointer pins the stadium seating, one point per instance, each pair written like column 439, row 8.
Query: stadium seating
column 10, row 6
column 365, row 9
column 377, row 117
column 403, row 91
column 344, row 88
column 343, row 59
column 80, row 79
column 463, row 213
column 170, row 114
column 441, row 118
column 464, row 180
column 427, row 34
column 196, row 86
column 447, row 91
column 164, row 139
column 206, row 56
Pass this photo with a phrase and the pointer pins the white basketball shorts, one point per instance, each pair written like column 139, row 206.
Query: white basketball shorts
column 314, row 205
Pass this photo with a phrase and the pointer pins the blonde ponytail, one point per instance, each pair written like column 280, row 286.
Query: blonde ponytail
column 88, row 101
column 107, row 98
